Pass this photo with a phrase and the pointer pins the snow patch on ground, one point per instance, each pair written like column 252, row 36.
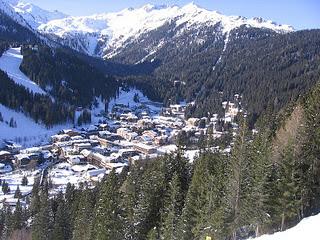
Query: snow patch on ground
column 307, row 229
column 10, row 63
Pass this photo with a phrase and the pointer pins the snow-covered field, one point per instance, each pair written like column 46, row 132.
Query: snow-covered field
column 307, row 229
column 14, row 180
column 10, row 63
column 27, row 132
column 126, row 98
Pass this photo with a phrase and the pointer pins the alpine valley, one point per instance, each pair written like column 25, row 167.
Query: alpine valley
column 158, row 122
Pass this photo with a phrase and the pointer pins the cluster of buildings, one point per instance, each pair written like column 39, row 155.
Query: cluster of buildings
column 126, row 136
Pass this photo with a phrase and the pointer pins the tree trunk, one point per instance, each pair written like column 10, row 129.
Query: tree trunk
column 257, row 231
column 282, row 222
column 234, row 235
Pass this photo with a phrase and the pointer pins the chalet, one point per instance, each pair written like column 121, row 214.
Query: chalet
column 130, row 117
column 5, row 156
column 12, row 202
column 103, row 142
column 81, row 146
column 103, row 127
column 193, row 121
column 150, row 133
column 22, row 160
column 77, row 138
column 146, row 149
column 143, row 158
column 127, row 153
column 177, row 108
column 126, row 134
column 161, row 140
column 92, row 129
column 96, row 174
column 98, row 159
column 76, row 159
column 47, row 155
column 145, row 124
column 12, row 147
column 70, row 132
column 60, row 138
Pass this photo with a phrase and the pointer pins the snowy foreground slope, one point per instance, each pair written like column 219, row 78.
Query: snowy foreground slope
column 307, row 229
column 10, row 63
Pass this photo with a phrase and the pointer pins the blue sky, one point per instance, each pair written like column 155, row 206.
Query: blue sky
column 301, row 14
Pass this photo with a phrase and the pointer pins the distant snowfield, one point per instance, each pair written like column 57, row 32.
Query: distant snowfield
column 10, row 63
column 308, row 229
column 126, row 98
column 27, row 133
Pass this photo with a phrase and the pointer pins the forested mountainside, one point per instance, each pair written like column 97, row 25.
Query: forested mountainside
column 70, row 81
column 39, row 107
column 268, row 183
column 67, row 78
column 268, row 69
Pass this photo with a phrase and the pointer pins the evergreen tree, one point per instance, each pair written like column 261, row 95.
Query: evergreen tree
column 61, row 227
column 310, row 164
column 8, row 225
column 259, row 152
column 172, row 210
column 43, row 220
column 35, row 197
column 289, row 200
column 107, row 217
column 17, row 193
column 239, row 182
column 131, row 189
column 5, row 187
column 18, row 218
column 84, row 216
column 24, row 181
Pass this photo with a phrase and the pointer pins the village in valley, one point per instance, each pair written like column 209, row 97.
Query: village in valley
column 128, row 130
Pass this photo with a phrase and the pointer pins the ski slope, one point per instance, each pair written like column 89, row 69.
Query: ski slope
column 10, row 63
column 307, row 229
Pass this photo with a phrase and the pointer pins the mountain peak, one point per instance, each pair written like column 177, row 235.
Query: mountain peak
column 34, row 15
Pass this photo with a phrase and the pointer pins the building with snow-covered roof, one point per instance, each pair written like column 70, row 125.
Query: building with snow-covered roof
column 60, row 138
column 146, row 149
column 5, row 156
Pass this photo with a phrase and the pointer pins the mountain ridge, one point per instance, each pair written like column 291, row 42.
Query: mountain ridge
column 105, row 34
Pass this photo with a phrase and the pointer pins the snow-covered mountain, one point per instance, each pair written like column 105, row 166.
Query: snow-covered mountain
column 34, row 15
column 6, row 6
column 20, row 20
column 106, row 34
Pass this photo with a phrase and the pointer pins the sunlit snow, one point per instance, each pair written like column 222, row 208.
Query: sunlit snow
column 10, row 63
column 307, row 229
